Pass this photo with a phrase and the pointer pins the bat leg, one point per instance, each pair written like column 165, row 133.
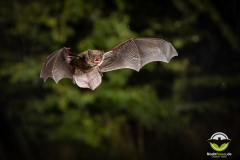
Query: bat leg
column 88, row 79
column 74, row 81
column 99, row 71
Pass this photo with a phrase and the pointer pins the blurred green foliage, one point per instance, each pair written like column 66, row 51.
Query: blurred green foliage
column 130, row 115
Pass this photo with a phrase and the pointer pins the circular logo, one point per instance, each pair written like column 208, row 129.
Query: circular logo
column 219, row 141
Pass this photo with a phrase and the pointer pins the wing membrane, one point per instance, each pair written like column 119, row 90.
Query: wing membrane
column 57, row 66
column 88, row 80
column 136, row 52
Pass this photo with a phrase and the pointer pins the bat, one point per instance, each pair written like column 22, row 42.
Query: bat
column 219, row 141
column 86, row 69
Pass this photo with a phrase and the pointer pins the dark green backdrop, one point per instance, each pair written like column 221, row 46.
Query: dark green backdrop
column 166, row 111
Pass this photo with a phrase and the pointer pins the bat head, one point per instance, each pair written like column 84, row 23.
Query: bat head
column 95, row 57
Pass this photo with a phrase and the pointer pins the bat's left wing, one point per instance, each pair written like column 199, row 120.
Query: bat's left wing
column 136, row 52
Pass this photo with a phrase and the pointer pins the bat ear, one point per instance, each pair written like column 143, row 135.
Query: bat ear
column 89, row 54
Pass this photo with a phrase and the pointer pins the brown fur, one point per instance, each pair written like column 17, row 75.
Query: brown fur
column 85, row 63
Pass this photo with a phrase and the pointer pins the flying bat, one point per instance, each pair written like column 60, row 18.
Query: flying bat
column 86, row 69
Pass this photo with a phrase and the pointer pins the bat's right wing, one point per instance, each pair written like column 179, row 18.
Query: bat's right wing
column 136, row 52
column 57, row 65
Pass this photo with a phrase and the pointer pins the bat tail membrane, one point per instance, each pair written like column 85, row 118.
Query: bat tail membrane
column 88, row 80
column 57, row 65
column 136, row 52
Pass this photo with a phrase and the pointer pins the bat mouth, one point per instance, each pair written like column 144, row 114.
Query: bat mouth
column 97, row 60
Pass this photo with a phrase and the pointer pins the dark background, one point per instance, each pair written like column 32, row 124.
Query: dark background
column 166, row 111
